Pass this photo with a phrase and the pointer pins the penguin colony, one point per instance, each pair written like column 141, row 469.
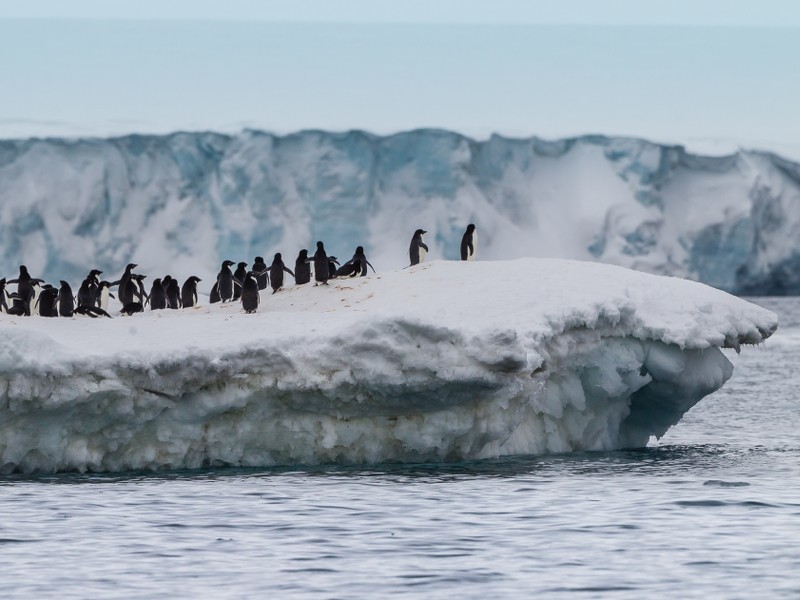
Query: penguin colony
column 35, row 297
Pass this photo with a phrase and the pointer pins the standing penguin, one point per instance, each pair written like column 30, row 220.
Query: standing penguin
column 94, row 278
column 189, row 292
column 417, row 250
column 238, row 276
column 47, row 302
column 333, row 264
column 360, row 263
column 469, row 243
column 321, row 266
column 173, row 291
column 225, row 281
column 66, row 300
column 302, row 268
column 125, row 292
column 103, row 293
column 261, row 272
column 139, row 295
column 276, row 270
column 87, row 293
column 3, row 296
column 27, row 289
column 250, row 294
column 213, row 296
column 158, row 296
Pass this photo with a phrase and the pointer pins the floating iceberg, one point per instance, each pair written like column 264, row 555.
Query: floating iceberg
column 443, row 361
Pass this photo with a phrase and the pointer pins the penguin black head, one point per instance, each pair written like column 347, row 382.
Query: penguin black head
column 94, row 273
column 259, row 259
column 277, row 256
column 360, row 250
column 420, row 232
column 227, row 263
column 138, row 277
column 194, row 279
column 242, row 265
column 62, row 282
column 304, row 253
column 319, row 245
column 471, row 227
column 131, row 267
column 23, row 270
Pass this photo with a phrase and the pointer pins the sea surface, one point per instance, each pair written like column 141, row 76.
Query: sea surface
column 711, row 511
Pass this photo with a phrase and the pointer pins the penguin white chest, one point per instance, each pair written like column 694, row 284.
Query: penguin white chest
column 104, row 297
column 474, row 245
column 422, row 253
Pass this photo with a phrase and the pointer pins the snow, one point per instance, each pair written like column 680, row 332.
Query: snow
column 191, row 200
column 443, row 361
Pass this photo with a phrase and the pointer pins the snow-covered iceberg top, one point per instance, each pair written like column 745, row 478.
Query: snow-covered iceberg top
column 441, row 361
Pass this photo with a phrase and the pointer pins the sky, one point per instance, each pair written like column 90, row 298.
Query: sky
column 705, row 72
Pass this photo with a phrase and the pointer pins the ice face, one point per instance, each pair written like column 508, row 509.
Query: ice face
column 182, row 203
column 439, row 362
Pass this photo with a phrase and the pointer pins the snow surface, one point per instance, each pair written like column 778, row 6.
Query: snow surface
column 182, row 203
column 443, row 361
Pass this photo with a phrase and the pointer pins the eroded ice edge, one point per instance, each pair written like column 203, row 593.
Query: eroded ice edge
column 439, row 362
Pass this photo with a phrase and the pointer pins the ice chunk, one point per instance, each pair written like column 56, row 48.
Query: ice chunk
column 443, row 361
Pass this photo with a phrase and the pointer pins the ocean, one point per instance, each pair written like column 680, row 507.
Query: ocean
column 712, row 510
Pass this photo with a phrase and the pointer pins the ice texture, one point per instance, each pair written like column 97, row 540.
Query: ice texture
column 182, row 203
column 444, row 361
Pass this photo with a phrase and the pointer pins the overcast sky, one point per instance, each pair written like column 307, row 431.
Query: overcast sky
column 676, row 71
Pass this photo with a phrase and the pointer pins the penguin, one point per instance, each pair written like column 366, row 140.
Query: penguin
column 124, row 291
column 66, row 300
column 173, row 291
column 355, row 266
column 302, row 268
column 3, row 296
column 131, row 308
column 91, row 311
column 333, row 263
column 469, row 243
column 103, row 293
column 238, row 276
column 189, row 292
column 321, row 266
column 225, row 281
column 18, row 306
column 348, row 269
column 261, row 271
column 47, row 302
column 250, row 294
column 94, row 276
column 158, row 296
column 87, row 293
column 417, row 250
column 214, row 295
column 27, row 289
column 139, row 295
column 276, row 270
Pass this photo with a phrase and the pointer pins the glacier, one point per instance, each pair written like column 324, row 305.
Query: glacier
column 186, row 201
column 443, row 361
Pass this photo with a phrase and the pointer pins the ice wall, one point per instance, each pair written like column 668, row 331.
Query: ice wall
column 181, row 203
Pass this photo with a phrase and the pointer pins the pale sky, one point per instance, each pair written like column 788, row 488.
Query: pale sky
column 677, row 71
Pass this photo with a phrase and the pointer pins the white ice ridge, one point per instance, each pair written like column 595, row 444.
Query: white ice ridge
column 443, row 361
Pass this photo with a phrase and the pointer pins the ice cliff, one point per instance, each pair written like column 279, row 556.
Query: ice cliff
column 443, row 361
column 181, row 203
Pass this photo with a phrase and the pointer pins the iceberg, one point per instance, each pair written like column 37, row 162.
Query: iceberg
column 443, row 361
column 192, row 200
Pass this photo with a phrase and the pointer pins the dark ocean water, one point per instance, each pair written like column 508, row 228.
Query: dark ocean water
column 711, row 511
